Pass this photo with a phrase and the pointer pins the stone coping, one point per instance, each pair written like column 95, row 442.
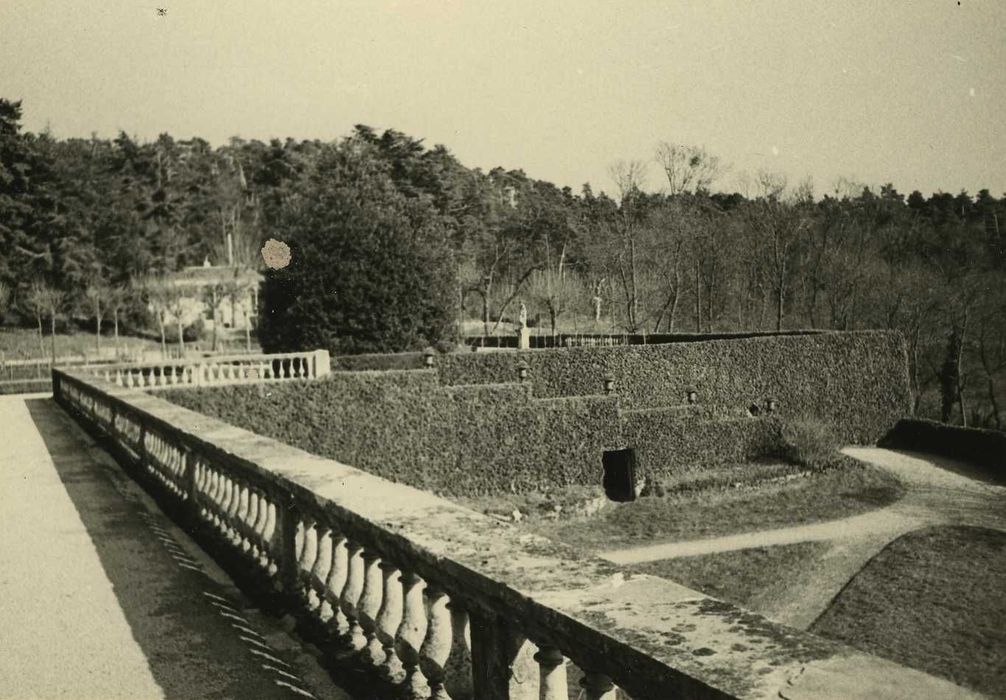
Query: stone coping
column 653, row 637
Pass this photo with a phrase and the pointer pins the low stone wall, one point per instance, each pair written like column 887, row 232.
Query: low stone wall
column 435, row 599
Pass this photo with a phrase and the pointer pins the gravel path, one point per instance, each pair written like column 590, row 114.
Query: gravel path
column 938, row 491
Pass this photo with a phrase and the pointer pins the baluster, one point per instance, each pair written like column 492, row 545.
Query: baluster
column 388, row 620
column 241, row 518
column 370, row 606
column 259, row 527
column 267, row 370
column 351, row 595
column 437, row 645
column 552, row 665
column 308, row 552
column 270, row 536
column 597, row 686
column 337, row 575
column 319, row 571
column 215, row 498
column 458, row 669
column 229, row 506
column 410, row 636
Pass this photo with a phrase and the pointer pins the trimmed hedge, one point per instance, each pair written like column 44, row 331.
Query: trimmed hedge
column 856, row 381
column 404, row 426
column 671, row 442
column 26, row 386
column 983, row 448
column 378, row 361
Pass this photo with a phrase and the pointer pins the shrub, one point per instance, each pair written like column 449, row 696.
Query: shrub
column 370, row 268
column 809, row 442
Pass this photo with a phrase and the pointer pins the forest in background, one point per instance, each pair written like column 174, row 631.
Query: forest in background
column 85, row 224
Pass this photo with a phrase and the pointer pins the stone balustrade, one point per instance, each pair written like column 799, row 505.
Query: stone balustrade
column 217, row 370
column 426, row 599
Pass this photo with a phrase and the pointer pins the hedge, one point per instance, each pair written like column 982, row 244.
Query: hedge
column 378, row 361
column 856, row 381
column 403, row 426
column 983, row 448
column 26, row 386
column 562, row 340
column 669, row 442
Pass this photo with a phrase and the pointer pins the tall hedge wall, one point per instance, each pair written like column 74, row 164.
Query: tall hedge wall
column 404, row 426
column 856, row 381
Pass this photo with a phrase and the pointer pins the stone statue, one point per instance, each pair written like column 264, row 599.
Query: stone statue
column 523, row 315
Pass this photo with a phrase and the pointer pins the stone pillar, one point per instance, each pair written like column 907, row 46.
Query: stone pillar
column 523, row 338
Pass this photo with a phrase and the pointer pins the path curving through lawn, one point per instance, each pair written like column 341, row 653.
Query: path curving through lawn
column 938, row 491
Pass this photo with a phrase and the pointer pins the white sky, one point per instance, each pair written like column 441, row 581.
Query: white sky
column 911, row 92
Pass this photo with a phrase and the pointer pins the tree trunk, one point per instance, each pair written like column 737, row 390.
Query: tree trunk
column 164, row 340
column 248, row 347
column 216, row 320
column 181, row 339
column 698, row 297
column 960, row 377
column 118, row 350
column 41, row 337
column 97, row 333
column 52, row 337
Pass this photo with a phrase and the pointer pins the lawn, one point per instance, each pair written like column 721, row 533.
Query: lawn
column 933, row 600
column 736, row 576
column 726, row 510
column 23, row 344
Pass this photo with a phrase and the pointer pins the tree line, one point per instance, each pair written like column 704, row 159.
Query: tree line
column 397, row 245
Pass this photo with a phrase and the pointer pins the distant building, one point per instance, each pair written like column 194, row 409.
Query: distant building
column 234, row 288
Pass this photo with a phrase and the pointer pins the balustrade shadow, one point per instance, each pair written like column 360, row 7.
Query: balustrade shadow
column 191, row 650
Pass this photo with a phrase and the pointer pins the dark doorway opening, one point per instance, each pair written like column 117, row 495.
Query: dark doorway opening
column 619, row 474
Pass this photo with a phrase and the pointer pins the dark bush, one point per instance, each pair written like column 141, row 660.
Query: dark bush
column 378, row 361
column 370, row 268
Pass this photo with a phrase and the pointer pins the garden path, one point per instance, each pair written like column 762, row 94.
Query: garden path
column 938, row 491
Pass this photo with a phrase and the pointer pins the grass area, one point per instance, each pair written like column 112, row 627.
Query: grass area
column 23, row 344
column 736, row 576
column 933, row 600
column 819, row 496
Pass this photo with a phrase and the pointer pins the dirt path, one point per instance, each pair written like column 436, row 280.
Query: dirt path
column 938, row 491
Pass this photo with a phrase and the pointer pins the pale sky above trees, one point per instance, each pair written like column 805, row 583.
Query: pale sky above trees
column 911, row 93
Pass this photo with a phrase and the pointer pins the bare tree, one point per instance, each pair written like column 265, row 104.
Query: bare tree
column 630, row 178
column 118, row 297
column 157, row 293
column 556, row 292
column 688, row 168
column 97, row 294
column 36, row 299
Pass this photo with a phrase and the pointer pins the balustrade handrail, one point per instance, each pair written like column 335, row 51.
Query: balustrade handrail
column 211, row 359
column 331, row 534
